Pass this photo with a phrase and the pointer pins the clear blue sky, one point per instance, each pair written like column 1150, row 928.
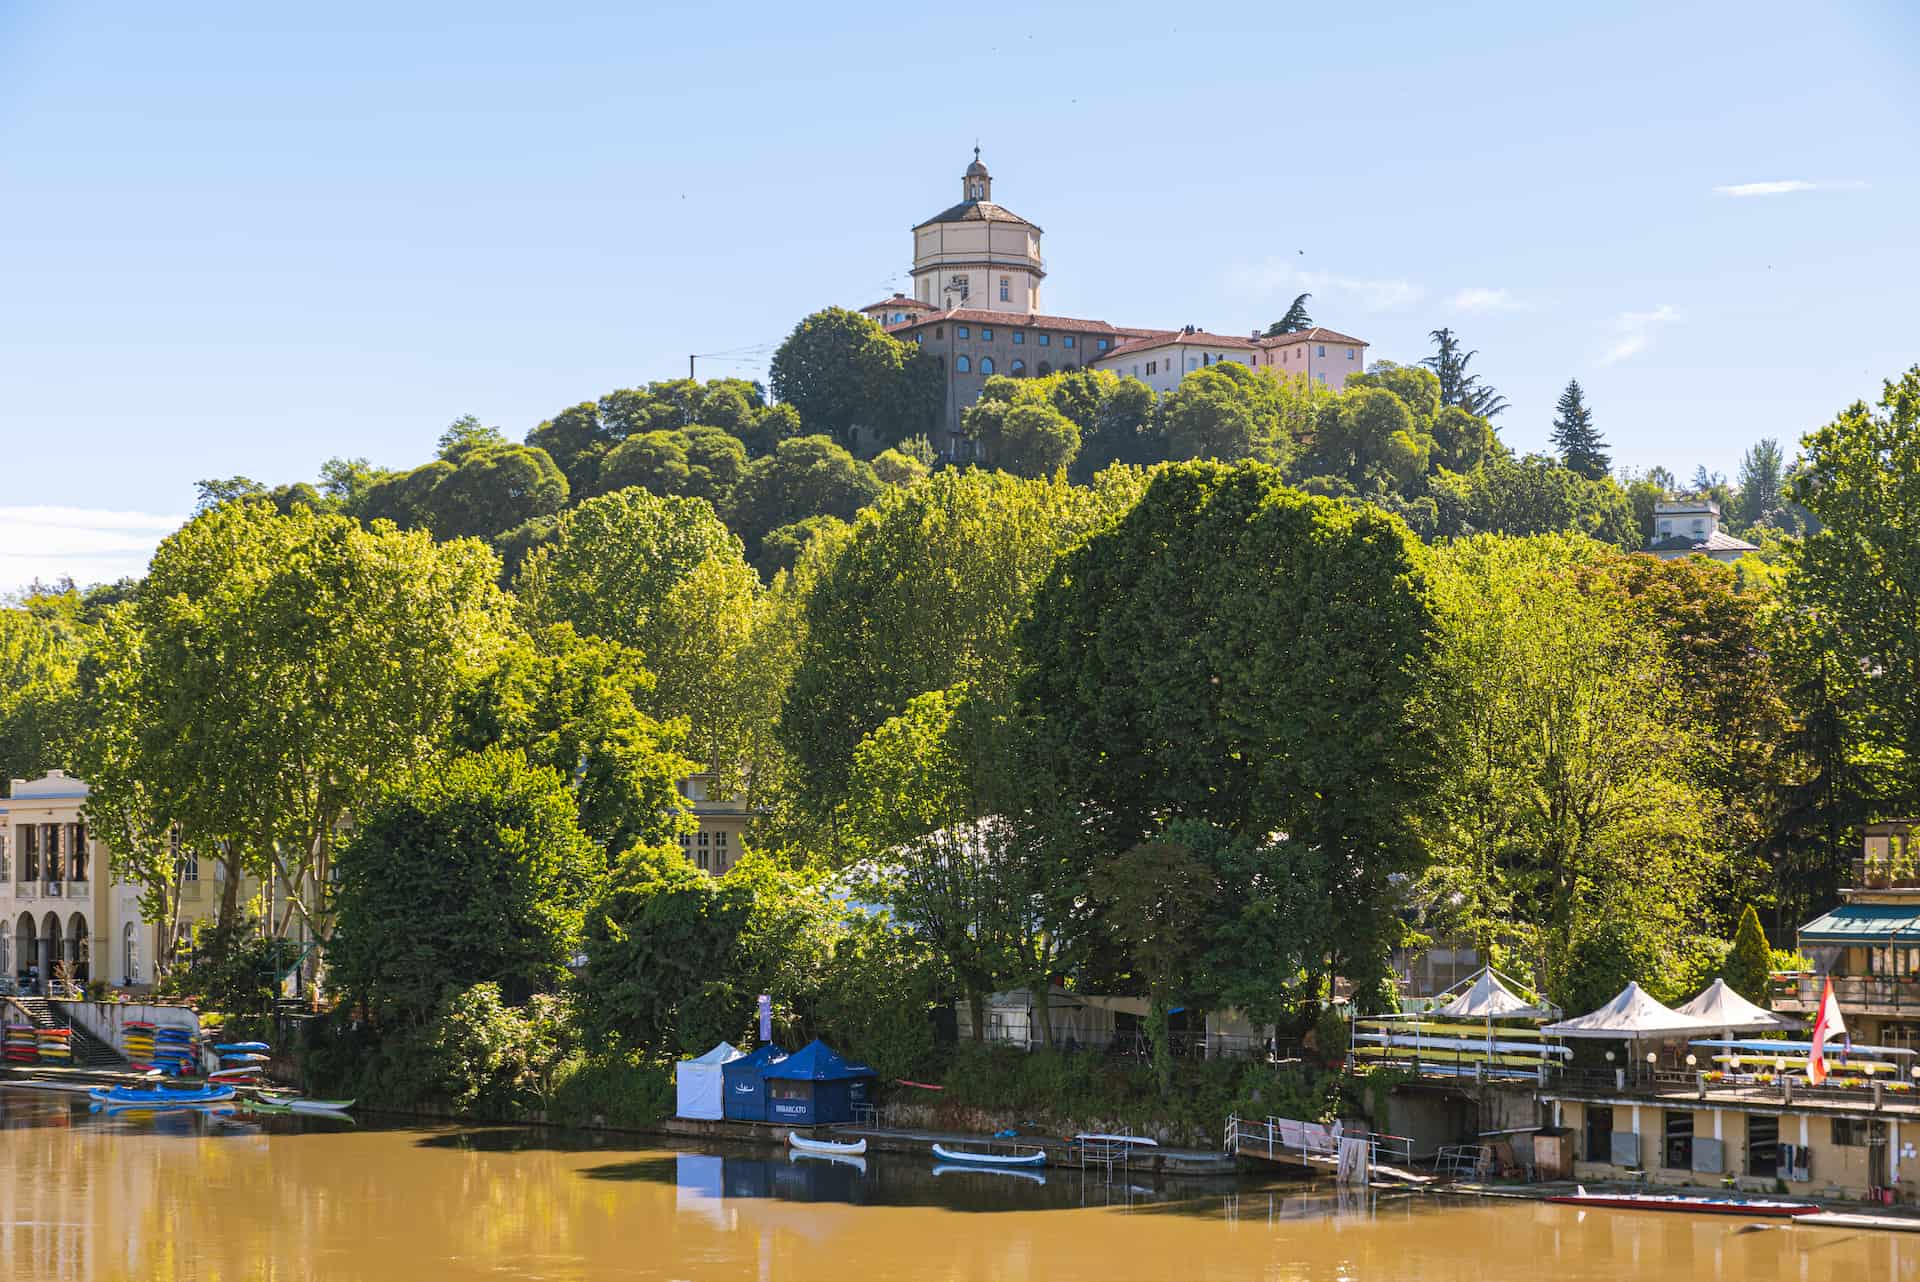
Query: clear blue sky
column 241, row 238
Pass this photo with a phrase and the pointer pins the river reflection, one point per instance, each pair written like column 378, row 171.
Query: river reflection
column 219, row 1199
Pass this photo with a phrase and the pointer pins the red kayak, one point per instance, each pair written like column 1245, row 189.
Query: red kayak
column 1686, row 1202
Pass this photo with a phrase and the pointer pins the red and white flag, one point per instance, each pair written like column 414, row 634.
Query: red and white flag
column 1828, row 1024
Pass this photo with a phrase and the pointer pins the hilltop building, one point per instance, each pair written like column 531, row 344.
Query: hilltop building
column 1691, row 527
column 977, row 274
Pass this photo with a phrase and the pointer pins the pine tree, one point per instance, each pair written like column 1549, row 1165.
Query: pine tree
column 1749, row 967
column 1581, row 446
column 1294, row 321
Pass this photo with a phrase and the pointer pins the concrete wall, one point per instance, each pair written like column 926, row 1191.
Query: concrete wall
column 108, row 1020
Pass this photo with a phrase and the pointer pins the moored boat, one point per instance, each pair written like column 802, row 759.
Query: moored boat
column 973, row 1157
column 162, row 1097
column 1691, row 1202
column 825, row 1146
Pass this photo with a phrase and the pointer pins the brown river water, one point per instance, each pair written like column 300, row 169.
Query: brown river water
column 225, row 1199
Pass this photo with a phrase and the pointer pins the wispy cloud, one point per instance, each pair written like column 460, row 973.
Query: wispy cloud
column 1634, row 331
column 92, row 545
column 1276, row 278
column 1487, row 300
column 1785, row 187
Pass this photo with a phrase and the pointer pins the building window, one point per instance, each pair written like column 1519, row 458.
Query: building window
column 986, row 364
column 939, row 331
column 1679, row 1137
column 1100, row 345
column 1599, row 1128
column 1153, row 367
column 1019, row 366
column 961, row 364
column 1322, row 351
column 1763, row 1146
column 129, row 955
column 1045, row 339
column 1849, row 1132
column 1066, row 340
column 1020, row 337
column 1192, row 364
column 986, row 335
column 77, row 851
column 1350, row 353
column 1321, row 377
column 961, row 330
column 30, row 853
column 1003, row 289
column 1136, row 371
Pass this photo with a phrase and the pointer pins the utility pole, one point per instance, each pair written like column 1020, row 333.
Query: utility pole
column 690, row 377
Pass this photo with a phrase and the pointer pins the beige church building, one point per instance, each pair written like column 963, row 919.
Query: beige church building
column 977, row 276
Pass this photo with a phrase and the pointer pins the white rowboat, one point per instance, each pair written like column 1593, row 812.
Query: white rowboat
column 1038, row 1157
column 825, row 1146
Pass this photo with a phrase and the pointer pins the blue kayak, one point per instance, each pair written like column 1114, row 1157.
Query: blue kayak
column 241, row 1047
column 163, row 1097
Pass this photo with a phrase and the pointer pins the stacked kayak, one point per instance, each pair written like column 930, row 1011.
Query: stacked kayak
column 240, row 1062
column 55, row 1045
column 21, row 1046
column 139, row 1038
column 175, row 1051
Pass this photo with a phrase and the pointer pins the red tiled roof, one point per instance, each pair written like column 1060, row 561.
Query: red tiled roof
column 1015, row 320
column 1317, row 334
column 899, row 300
column 1170, row 338
column 976, row 211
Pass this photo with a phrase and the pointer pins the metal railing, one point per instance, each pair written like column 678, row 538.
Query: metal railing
column 1281, row 1137
column 1805, row 988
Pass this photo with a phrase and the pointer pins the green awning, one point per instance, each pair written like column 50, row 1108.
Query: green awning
column 1864, row 924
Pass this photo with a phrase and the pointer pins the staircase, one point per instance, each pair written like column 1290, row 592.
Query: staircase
column 88, row 1051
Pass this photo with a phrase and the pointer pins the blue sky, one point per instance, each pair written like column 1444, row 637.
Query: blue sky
column 241, row 238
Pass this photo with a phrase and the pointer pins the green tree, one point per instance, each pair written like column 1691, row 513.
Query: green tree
column 852, row 381
column 700, row 461
column 41, row 645
column 1295, row 320
column 1567, row 802
column 476, row 490
column 1581, row 447
column 1156, row 896
column 925, row 595
column 1749, row 969
column 1860, row 570
column 574, row 704
column 918, row 818
column 1237, row 653
column 1369, row 439
column 465, row 435
column 1533, row 495
column 1225, row 412
column 665, row 577
column 476, row 871
column 1458, row 386
column 1762, row 483
column 809, row 476
column 290, row 669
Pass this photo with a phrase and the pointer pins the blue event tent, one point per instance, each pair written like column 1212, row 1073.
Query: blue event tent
column 746, row 1094
column 815, row 1087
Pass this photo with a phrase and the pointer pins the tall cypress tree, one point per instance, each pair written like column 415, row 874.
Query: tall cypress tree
column 1580, row 445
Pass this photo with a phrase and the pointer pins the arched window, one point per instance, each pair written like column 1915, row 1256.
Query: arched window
column 962, row 364
column 1045, row 369
column 1019, row 367
column 129, row 954
column 986, row 364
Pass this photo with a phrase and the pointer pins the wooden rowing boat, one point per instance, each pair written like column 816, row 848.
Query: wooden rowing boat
column 805, row 1145
column 973, row 1157
column 1688, row 1202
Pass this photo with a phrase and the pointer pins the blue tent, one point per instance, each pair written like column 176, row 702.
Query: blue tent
column 746, row 1094
column 815, row 1087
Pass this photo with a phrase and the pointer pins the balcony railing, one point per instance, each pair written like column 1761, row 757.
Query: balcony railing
column 1803, row 988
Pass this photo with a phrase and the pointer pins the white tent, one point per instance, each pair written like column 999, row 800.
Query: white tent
column 1485, row 996
column 1729, row 1012
column 1630, row 1016
column 698, row 1088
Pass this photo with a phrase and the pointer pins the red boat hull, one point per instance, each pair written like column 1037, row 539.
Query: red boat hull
column 1699, row 1206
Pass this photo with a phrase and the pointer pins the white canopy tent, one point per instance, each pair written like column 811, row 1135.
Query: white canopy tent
column 1486, row 995
column 1632, row 1016
column 699, row 1090
column 1729, row 1012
